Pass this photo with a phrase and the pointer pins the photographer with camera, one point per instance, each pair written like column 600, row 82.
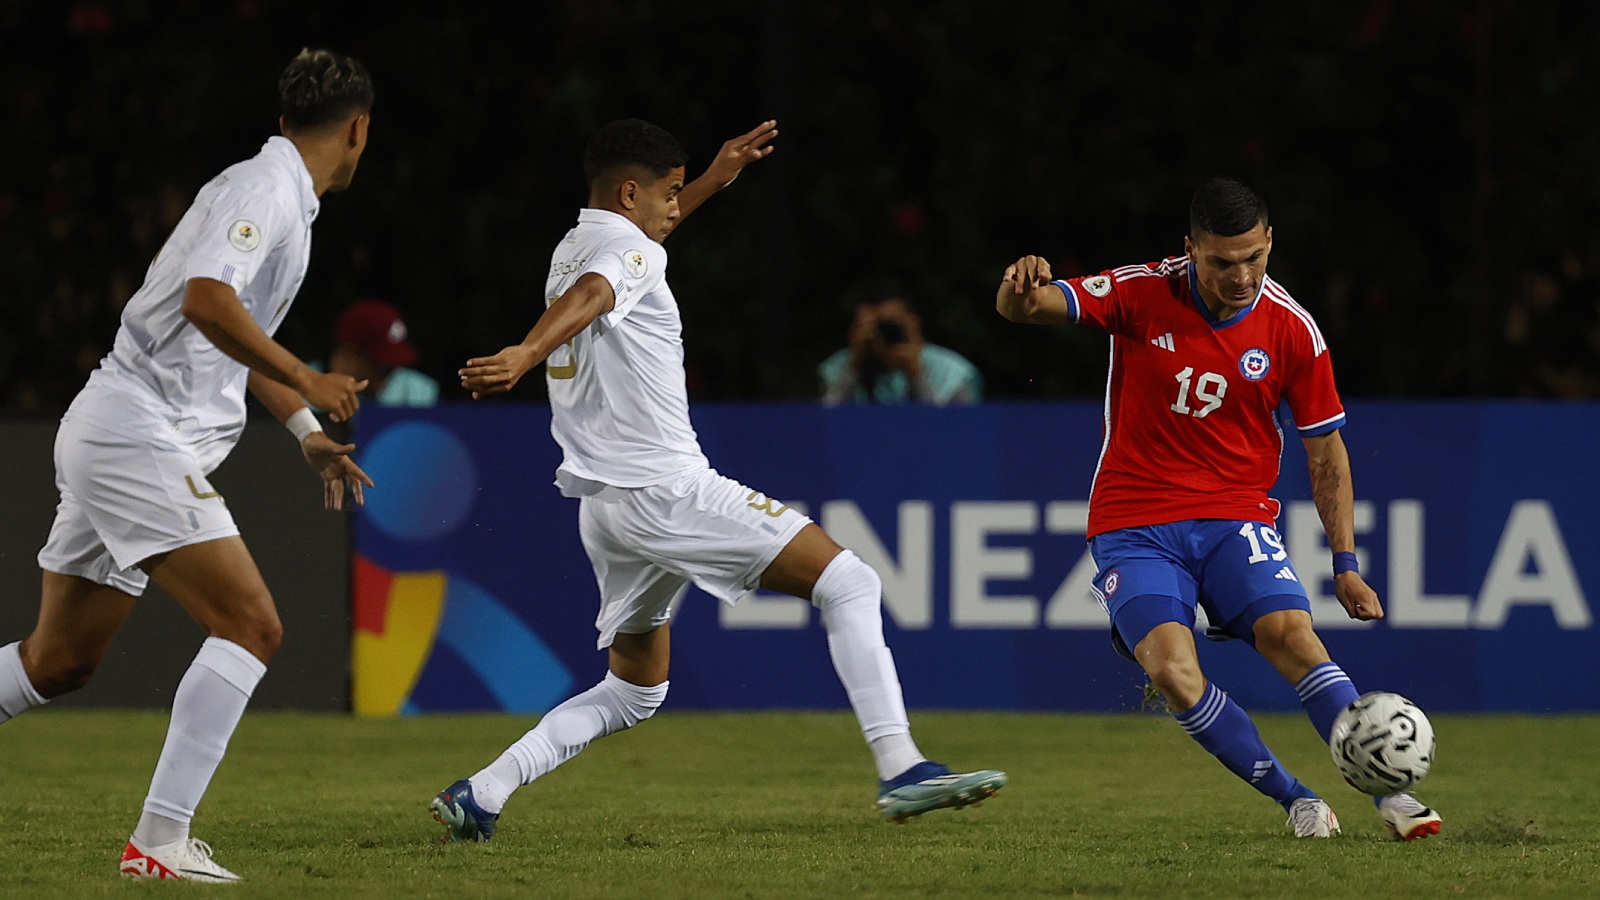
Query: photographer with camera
column 888, row 362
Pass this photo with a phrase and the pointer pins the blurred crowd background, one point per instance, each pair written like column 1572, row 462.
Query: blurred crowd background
column 1432, row 166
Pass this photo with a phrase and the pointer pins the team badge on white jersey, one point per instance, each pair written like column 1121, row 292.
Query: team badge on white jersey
column 634, row 262
column 1254, row 364
column 1098, row 286
column 244, row 235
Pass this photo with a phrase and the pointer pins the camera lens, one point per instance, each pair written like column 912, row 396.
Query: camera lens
column 892, row 332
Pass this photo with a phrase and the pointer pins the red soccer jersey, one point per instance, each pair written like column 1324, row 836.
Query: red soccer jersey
column 1191, row 430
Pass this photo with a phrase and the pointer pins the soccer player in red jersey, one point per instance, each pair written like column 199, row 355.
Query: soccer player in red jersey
column 1204, row 349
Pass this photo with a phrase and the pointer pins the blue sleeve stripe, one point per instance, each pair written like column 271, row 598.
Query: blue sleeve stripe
column 1072, row 298
column 1317, row 429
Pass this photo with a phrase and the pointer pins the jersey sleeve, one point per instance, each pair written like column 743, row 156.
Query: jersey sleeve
column 1095, row 300
column 236, row 236
column 1313, row 399
column 634, row 267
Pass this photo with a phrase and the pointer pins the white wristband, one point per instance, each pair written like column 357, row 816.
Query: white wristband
column 302, row 422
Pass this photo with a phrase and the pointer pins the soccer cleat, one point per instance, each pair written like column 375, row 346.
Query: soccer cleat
column 461, row 815
column 185, row 860
column 1407, row 819
column 927, row 786
column 1312, row 818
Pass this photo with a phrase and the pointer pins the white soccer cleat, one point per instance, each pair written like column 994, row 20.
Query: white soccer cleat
column 1407, row 819
column 185, row 860
column 1312, row 818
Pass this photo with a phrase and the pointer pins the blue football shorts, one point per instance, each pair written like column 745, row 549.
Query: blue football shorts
column 1236, row 571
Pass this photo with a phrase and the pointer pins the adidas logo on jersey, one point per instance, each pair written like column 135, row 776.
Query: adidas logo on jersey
column 1286, row 573
column 1165, row 342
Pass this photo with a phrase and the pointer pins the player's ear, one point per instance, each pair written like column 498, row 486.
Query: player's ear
column 628, row 193
column 356, row 132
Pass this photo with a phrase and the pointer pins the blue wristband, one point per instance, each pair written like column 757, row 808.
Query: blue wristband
column 1345, row 562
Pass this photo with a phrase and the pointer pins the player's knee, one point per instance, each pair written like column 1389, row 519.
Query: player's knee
column 259, row 631
column 847, row 580
column 60, row 670
column 1288, row 635
column 1174, row 670
column 635, row 702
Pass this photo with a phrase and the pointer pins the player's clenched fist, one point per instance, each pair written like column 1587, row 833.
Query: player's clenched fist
column 1025, row 294
column 336, row 393
column 1028, row 272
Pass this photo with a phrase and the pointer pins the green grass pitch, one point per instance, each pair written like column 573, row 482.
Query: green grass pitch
column 780, row 805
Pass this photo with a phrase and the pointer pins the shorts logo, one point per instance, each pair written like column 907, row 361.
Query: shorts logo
column 634, row 262
column 1255, row 364
column 1113, row 580
column 244, row 235
column 1098, row 286
column 763, row 503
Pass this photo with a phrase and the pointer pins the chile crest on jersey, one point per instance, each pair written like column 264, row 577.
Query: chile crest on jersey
column 1254, row 364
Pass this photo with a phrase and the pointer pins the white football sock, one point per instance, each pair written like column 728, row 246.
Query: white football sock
column 850, row 595
column 17, row 694
column 205, row 710
column 606, row 708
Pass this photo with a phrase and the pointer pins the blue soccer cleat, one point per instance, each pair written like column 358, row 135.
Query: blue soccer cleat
column 928, row 785
column 461, row 815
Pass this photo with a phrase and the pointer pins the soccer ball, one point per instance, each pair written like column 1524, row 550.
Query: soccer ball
column 1382, row 743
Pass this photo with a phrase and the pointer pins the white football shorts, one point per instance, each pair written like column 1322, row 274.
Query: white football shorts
column 647, row 544
column 127, row 495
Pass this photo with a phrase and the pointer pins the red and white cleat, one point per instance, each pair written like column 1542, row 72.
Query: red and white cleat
column 1407, row 819
column 185, row 860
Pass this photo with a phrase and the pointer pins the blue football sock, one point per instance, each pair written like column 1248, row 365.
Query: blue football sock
column 1225, row 730
column 1324, row 692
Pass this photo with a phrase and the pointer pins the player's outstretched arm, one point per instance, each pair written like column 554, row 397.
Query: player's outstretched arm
column 328, row 457
column 1026, row 294
column 214, row 308
column 1329, row 462
column 589, row 298
column 730, row 161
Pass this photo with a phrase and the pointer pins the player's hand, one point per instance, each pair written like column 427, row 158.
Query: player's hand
column 336, row 393
column 1024, row 294
column 1357, row 597
column 741, row 151
column 332, row 461
column 1027, row 273
column 484, row 375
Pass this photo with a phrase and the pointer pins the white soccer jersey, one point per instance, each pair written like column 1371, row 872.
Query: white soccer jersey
column 620, row 410
column 250, row 228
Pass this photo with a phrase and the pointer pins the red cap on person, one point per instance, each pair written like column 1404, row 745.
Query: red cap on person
column 375, row 329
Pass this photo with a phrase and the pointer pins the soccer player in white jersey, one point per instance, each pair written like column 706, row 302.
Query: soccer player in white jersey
column 159, row 414
column 653, row 514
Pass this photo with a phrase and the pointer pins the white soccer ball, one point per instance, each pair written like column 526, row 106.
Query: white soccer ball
column 1382, row 743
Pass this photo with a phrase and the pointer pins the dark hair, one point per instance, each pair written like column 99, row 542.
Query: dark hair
column 632, row 142
column 881, row 288
column 321, row 87
column 1225, row 207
